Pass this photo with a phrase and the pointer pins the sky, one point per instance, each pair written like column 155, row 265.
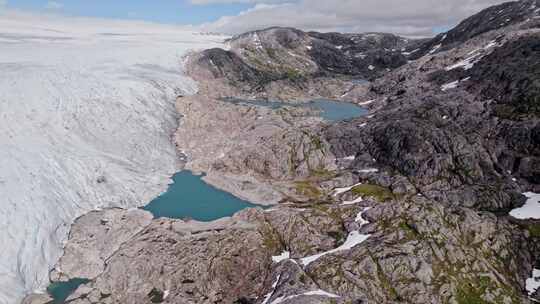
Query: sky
column 413, row 18
column 160, row 11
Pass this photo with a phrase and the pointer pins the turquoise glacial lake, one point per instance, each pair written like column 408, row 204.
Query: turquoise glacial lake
column 60, row 291
column 329, row 110
column 190, row 197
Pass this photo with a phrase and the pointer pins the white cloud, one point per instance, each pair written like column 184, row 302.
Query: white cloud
column 54, row 5
column 412, row 18
column 203, row 2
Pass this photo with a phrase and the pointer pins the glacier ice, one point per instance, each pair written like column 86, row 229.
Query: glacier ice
column 86, row 116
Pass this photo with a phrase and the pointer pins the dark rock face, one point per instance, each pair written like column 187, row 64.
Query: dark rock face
column 446, row 159
column 227, row 64
column 353, row 54
column 510, row 77
column 515, row 85
column 461, row 125
column 493, row 18
column 455, row 140
column 293, row 57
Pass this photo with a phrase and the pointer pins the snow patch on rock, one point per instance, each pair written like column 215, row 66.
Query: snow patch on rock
column 450, row 85
column 435, row 48
column 453, row 84
column 354, row 238
column 353, row 202
column 533, row 283
column 365, row 103
column 369, row 170
column 531, row 209
column 271, row 293
column 318, row 292
column 339, row 191
column 285, row 255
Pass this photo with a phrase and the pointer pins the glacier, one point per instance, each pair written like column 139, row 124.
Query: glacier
column 87, row 114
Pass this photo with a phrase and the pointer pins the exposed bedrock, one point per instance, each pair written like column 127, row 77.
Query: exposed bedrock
column 417, row 251
column 285, row 63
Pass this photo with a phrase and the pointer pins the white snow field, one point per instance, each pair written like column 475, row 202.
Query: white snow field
column 86, row 116
column 531, row 209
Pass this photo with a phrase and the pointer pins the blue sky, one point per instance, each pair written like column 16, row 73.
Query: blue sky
column 412, row 18
column 162, row 11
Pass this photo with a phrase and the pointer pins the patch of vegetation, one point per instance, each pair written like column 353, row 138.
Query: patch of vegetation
column 156, row 295
column 323, row 174
column 293, row 162
column 271, row 240
column 469, row 292
column 504, row 111
column 293, row 75
column 385, row 282
column 534, row 230
column 379, row 193
column 244, row 300
column 316, row 141
column 308, row 189
column 271, row 53
column 338, row 236
column 256, row 61
column 471, row 288
column 526, row 105
column 411, row 231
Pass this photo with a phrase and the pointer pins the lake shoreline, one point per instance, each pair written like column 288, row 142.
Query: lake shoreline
column 228, row 183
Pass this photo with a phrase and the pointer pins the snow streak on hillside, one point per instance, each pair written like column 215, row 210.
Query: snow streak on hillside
column 86, row 115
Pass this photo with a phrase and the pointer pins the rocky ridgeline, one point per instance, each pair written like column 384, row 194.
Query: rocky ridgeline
column 497, row 17
column 406, row 205
column 285, row 63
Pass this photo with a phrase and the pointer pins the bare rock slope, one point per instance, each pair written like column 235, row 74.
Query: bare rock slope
column 286, row 63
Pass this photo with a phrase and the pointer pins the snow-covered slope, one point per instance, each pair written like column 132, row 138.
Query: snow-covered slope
column 86, row 115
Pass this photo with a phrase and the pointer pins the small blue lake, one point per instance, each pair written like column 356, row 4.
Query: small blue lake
column 329, row 110
column 60, row 291
column 190, row 197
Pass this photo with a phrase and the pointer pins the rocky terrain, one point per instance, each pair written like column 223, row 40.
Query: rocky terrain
column 288, row 64
column 408, row 204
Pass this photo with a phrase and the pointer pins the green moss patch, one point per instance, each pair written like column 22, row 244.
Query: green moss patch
column 322, row 174
column 293, row 75
column 534, row 230
column 307, row 189
column 156, row 296
column 471, row 292
column 411, row 231
column 379, row 193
